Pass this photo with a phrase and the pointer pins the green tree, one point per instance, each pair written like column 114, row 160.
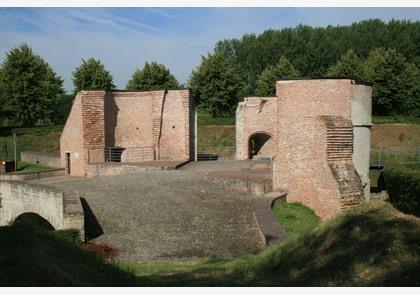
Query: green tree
column 314, row 50
column 153, row 76
column 216, row 86
column 411, row 90
column 2, row 98
column 386, row 69
column 266, row 83
column 29, row 89
column 62, row 109
column 349, row 65
column 92, row 75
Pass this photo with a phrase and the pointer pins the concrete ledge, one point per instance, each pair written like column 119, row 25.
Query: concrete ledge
column 254, row 181
column 272, row 231
column 33, row 174
column 113, row 168
column 46, row 159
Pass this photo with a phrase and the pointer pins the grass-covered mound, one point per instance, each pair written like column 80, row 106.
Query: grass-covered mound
column 371, row 245
column 33, row 256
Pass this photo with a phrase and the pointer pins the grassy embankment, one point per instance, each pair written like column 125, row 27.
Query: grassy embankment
column 39, row 139
column 373, row 244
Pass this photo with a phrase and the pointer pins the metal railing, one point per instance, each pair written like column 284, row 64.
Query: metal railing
column 384, row 156
column 131, row 154
column 216, row 153
column 378, row 156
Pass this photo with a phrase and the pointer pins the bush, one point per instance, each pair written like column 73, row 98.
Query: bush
column 403, row 186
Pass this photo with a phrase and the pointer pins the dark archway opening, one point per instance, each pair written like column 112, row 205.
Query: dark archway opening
column 259, row 146
column 33, row 220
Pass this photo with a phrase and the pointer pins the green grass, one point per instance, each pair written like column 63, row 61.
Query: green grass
column 206, row 119
column 373, row 244
column 296, row 218
column 29, row 167
column 37, row 139
column 395, row 120
column 31, row 256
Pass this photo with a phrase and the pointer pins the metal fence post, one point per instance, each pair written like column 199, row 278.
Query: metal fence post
column 195, row 135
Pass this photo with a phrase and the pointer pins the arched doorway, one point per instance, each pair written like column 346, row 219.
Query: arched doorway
column 260, row 145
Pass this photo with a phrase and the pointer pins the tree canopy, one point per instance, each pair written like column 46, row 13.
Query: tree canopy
column 153, row 76
column 266, row 83
column 216, row 86
column 349, row 65
column 92, row 75
column 333, row 51
column 392, row 79
column 29, row 89
column 314, row 50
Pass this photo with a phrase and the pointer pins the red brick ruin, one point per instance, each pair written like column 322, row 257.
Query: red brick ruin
column 143, row 126
column 317, row 133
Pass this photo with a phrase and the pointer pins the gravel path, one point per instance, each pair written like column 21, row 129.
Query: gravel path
column 163, row 214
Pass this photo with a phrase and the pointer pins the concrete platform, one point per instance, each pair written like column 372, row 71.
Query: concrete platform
column 255, row 181
column 165, row 214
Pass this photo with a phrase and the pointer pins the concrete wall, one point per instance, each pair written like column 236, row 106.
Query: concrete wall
column 361, row 116
column 158, row 120
column 253, row 115
column 62, row 210
column 41, row 158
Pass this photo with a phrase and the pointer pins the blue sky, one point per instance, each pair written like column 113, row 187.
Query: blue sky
column 124, row 38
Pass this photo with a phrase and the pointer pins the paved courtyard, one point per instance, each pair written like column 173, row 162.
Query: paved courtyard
column 157, row 214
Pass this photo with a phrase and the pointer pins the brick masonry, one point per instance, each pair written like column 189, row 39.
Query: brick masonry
column 315, row 125
column 150, row 125
column 256, row 115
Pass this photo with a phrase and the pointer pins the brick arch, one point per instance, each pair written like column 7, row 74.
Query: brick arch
column 265, row 144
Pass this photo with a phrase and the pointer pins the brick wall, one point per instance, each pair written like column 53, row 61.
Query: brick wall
column 175, row 133
column 71, row 140
column 255, row 115
column 315, row 145
column 93, row 103
column 157, row 120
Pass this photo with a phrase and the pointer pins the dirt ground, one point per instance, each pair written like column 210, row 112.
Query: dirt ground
column 162, row 214
column 395, row 135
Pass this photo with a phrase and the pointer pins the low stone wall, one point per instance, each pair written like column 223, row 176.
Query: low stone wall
column 254, row 181
column 109, row 169
column 46, row 159
column 62, row 209
column 33, row 174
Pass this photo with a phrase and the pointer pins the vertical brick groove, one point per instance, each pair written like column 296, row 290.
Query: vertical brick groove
column 93, row 125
